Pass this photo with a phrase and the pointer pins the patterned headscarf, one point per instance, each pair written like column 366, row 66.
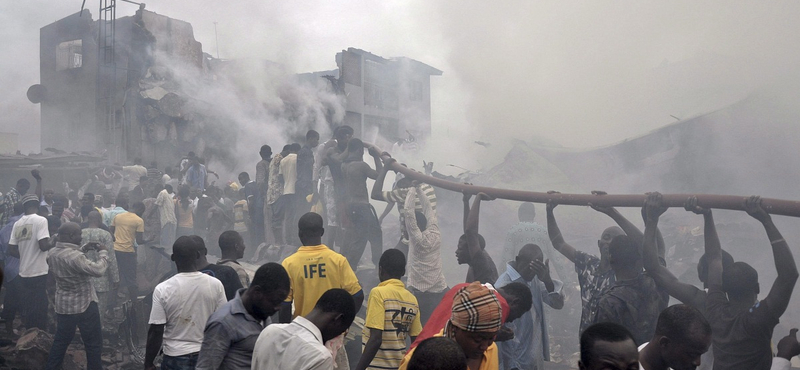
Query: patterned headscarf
column 476, row 309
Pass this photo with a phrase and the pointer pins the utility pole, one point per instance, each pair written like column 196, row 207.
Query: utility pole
column 216, row 38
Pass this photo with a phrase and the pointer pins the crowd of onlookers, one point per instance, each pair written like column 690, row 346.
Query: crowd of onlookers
column 77, row 257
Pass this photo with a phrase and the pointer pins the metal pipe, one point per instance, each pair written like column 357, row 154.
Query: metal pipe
column 730, row 202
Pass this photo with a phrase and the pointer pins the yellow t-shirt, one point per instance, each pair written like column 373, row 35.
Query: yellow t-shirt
column 490, row 360
column 184, row 216
column 395, row 311
column 314, row 270
column 126, row 225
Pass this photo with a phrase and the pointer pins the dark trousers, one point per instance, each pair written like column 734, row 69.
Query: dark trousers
column 34, row 306
column 91, row 333
column 126, row 262
column 301, row 207
column 12, row 301
column 256, row 227
column 364, row 228
column 284, row 220
column 427, row 303
column 184, row 362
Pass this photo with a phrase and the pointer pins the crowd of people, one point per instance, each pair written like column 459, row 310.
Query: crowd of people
column 70, row 260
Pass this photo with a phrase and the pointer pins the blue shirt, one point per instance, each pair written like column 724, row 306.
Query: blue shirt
column 530, row 346
column 196, row 177
column 229, row 337
column 109, row 214
column 11, row 268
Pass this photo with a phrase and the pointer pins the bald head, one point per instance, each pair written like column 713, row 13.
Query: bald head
column 70, row 232
column 605, row 239
column 531, row 252
column 94, row 219
column 613, row 231
column 310, row 229
column 184, row 253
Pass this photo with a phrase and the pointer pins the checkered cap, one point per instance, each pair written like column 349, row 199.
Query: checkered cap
column 476, row 309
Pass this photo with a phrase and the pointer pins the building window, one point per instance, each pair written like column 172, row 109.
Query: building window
column 380, row 86
column 69, row 55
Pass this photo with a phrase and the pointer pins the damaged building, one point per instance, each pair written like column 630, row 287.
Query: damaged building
column 387, row 98
column 115, row 91
column 141, row 86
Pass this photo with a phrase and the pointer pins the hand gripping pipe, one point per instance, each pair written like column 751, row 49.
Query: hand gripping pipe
column 732, row 202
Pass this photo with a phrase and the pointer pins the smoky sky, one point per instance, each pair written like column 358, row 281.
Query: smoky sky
column 576, row 74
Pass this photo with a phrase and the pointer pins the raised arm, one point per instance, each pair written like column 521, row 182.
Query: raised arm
column 473, row 243
column 629, row 228
column 781, row 291
column 427, row 207
column 38, row 177
column 377, row 187
column 686, row 293
column 555, row 235
column 373, row 174
column 466, row 199
column 410, row 214
column 713, row 249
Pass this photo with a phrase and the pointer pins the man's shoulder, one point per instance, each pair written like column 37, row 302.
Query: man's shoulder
column 222, row 314
column 225, row 269
column 32, row 218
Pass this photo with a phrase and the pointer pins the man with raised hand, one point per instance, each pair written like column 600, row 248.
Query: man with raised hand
column 594, row 273
column 425, row 277
column 686, row 293
column 363, row 224
column 471, row 248
column 744, row 325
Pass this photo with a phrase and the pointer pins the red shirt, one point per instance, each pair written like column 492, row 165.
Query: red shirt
column 443, row 311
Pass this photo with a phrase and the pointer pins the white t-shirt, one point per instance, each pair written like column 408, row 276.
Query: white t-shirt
column 184, row 303
column 288, row 169
column 296, row 346
column 132, row 175
column 26, row 233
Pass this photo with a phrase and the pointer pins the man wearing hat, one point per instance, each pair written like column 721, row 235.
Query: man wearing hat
column 475, row 321
column 30, row 241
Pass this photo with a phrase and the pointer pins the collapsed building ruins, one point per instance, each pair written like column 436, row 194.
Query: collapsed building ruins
column 141, row 86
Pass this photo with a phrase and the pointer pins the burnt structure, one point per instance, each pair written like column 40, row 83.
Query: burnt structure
column 141, row 86
column 117, row 96
column 386, row 97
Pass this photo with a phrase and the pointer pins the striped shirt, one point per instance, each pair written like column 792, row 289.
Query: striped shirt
column 425, row 247
column 73, row 272
column 399, row 195
column 395, row 311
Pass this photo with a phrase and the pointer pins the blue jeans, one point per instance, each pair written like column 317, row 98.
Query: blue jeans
column 184, row 362
column 89, row 323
